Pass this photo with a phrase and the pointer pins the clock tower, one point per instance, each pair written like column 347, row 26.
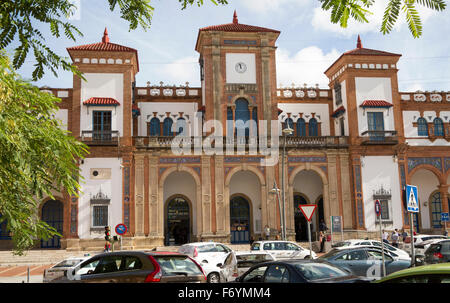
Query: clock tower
column 238, row 72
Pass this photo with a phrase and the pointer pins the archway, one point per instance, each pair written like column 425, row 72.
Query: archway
column 180, row 196
column 310, row 184
column 178, row 221
column 53, row 215
column 239, row 219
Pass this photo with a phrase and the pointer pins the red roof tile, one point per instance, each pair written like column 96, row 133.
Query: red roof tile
column 101, row 101
column 235, row 26
column 375, row 103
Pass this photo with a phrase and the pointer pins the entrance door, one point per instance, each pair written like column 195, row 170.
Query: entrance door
column 178, row 222
column 52, row 214
column 301, row 224
column 239, row 220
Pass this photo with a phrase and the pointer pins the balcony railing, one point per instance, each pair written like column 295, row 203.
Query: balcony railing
column 379, row 137
column 291, row 142
column 97, row 137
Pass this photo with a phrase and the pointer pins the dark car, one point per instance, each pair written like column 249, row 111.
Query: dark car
column 365, row 261
column 137, row 267
column 298, row 271
column 438, row 252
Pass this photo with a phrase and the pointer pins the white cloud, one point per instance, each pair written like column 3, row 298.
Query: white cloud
column 266, row 6
column 321, row 20
column 180, row 71
column 306, row 66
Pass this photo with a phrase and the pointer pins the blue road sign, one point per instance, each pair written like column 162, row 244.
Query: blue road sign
column 121, row 229
column 444, row 217
column 412, row 199
column 377, row 207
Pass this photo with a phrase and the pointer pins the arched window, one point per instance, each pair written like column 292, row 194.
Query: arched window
column 313, row 131
column 289, row 123
column 181, row 126
column 230, row 122
column 255, row 118
column 422, row 127
column 242, row 114
column 155, row 129
column 167, row 127
column 301, row 127
column 438, row 127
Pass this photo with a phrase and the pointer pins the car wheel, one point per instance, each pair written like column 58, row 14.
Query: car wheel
column 213, row 278
column 307, row 257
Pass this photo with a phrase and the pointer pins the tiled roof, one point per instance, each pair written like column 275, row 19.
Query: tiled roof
column 339, row 111
column 375, row 103
column 235, row 26
column 101, row 101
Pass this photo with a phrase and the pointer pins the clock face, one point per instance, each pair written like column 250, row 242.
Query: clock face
column 240, row 67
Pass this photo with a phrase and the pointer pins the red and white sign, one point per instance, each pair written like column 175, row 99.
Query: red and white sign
column 308, row 210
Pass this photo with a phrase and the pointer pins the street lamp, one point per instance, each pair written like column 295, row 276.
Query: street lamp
column 286, row 132
column 275, row 190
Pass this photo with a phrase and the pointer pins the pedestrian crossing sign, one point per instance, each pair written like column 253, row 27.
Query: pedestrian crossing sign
column 412, row 199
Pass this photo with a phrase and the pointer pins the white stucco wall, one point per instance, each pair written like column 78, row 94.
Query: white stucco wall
column 232, row 76
column 296, row 108
column 373, row 89
column 247, row 183
column 91, row 186
column 189, row 111
column 377, row 171
column 102, row 85
column 63, row 116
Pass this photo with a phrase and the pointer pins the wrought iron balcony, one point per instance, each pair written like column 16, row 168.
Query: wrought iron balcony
column 97, row 137
column 291, row 141
column 379, row 137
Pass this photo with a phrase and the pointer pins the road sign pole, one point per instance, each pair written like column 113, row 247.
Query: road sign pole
column 309, row 238
column 411, row 223
column 382, row 249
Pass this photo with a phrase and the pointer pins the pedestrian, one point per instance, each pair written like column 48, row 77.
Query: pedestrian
column 404, row 235
column 385, row 237
column 322, row 226
column 322, row 239
column 267, row 232
column 107, row 239
column 394, row 238
column 445, row 233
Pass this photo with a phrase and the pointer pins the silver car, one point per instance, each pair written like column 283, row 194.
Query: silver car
column 60, row 269
column 237, row 263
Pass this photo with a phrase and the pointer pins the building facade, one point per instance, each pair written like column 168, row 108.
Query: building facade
column 354, row 142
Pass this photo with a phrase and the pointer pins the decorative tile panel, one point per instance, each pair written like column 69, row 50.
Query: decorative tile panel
column 177, row 160
column 433, row 161
column 307, row 159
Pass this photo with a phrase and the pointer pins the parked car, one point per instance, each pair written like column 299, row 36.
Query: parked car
column 298, row 271
column 60, row 269
column 209, row 255
column 364, row 261
column 137, row 267
column 283, row 249
column 355, row 242
column 419, row 239
column 239, row 262
column 424, row 245
column 435, row 273
column 438, row 252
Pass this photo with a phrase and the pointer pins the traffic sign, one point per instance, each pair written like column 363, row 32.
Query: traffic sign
column 308, row 210
column 121, row 229
column 412, row 199
column 444, row 217
column 377, row 207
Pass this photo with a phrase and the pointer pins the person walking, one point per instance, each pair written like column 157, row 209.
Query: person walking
column 404, row 235
column 322, row 239
column 385, row 237
column 394, row 238
column 267, row 232
column 107, row 239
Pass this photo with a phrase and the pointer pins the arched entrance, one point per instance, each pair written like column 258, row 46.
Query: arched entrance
column 53, row 215
column 239, row 220
column 300, row 222
column 178, row 221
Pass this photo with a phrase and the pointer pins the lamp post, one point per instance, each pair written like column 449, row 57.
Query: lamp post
column 275, row 190
column 286, row 132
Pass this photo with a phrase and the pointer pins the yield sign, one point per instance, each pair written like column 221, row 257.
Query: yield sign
column 308, row 210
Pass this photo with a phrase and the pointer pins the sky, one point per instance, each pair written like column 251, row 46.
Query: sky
column 308, row 44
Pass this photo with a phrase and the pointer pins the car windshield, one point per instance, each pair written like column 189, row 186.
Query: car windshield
column 206, row 248
column 178, row 265
column 255, row 246
column 317, row 271
column 68, row 263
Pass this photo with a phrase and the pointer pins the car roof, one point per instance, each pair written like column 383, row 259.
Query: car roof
column 272, row 241
column 201, row 243
column 440, row 268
